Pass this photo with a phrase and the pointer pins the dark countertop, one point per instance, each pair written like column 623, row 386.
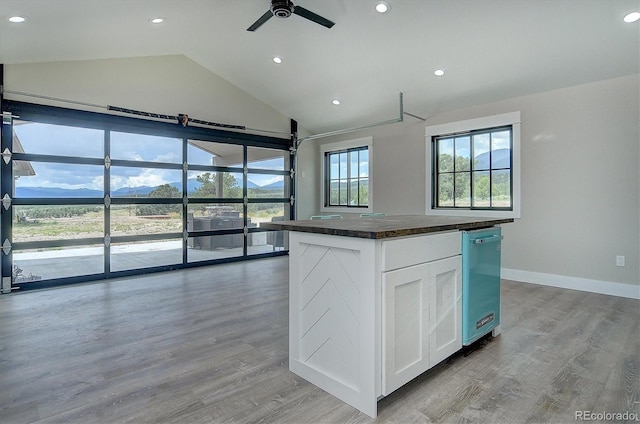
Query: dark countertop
column 385, row 226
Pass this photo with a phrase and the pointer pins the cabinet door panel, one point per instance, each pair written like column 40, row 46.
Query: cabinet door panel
column 445, row 286
column 405, row 322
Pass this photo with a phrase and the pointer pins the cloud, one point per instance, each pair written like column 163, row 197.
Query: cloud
column 60, row 140
column 98, row 183
column 61, row 175
column 147, row 178
column 140, row 147
column 137, row 177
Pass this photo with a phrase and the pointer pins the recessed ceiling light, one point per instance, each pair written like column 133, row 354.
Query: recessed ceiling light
column 438, row 72
column 17, row 19
column 382, row 7
column 157, row 20
column 276, row 59
column 632, row 17
column 335, row 102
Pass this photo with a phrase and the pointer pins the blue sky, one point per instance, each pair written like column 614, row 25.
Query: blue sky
column 358, row 167
column 83, row 142
column 497, row 140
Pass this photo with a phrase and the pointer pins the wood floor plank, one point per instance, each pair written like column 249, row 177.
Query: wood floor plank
column 210, row 345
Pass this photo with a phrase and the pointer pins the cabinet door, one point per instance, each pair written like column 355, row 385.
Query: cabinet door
column 405, row 320
column 445, row 286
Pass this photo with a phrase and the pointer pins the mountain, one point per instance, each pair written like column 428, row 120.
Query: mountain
column 500, row 159
column 250, row 184
column 273, row 186
column 140, row 191
column 40, row 192
column 132, row 191
column 192, row 185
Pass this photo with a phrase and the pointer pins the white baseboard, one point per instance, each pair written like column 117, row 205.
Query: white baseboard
column 573, row 283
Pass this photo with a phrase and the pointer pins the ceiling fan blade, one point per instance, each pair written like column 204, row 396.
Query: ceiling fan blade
column 264, row 18
column 301, row 11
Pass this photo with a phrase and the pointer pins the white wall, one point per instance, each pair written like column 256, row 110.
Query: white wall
column 162, row 84
column 308, row 192
column 580, row 179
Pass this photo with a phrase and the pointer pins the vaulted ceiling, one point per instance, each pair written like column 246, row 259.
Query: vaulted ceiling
column 489, row 49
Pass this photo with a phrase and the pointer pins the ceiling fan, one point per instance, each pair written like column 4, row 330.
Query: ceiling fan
column 284, row 9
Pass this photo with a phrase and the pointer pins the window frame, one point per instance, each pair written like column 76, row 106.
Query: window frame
column 109, row 124
column 340, row 147
column 433, row 132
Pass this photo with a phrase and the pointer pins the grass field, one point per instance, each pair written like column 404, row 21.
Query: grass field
column 124, row 222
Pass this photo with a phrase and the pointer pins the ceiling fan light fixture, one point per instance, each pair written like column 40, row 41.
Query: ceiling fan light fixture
column 17, row 19
column 277, row 59
column 382, row 7
column 335, row 102
column 632, row 17
column 156, row 20
column 282, row 8
column 438, row 72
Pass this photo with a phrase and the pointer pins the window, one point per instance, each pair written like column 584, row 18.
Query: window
column 347, row 177
column 473, row 170
column 101, row 196
column 475, row 167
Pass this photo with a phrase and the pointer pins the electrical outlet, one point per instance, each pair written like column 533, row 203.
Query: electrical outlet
column 619, row 260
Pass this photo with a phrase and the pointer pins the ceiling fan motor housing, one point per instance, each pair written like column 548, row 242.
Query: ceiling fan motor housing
column 282, row 8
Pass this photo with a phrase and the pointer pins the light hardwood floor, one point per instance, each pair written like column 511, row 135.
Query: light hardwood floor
column 209, row 345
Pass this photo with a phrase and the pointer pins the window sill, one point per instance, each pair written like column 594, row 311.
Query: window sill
column 338, row 209
column 474, row 213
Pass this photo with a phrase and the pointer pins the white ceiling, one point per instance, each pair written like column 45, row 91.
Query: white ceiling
column 490, row 49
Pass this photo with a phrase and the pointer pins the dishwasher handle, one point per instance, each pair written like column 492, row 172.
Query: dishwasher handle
column 492, row 239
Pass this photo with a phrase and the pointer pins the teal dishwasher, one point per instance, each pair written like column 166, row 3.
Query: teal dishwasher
column 480, row 282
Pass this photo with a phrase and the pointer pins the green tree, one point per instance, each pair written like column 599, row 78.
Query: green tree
column 209, row 188
column 445, row 190
column 445, row 163
column 164, row 191
column 501, row 189
column 363, row 195
column 462, row 163
column 446, row 193
column 481, row 187
column 209, row 185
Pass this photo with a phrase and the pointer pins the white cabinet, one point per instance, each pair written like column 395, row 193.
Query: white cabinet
column 445, row 280
column 406, row 310
column 368, row 315
column 421, row 319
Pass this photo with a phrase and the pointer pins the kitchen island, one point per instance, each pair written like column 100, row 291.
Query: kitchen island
column 374, row 301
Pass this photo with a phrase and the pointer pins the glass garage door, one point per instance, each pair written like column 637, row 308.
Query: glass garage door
column 86, row 200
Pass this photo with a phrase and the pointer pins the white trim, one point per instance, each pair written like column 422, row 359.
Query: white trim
column 573, row 283
column 513, row 119
column 344, row 145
